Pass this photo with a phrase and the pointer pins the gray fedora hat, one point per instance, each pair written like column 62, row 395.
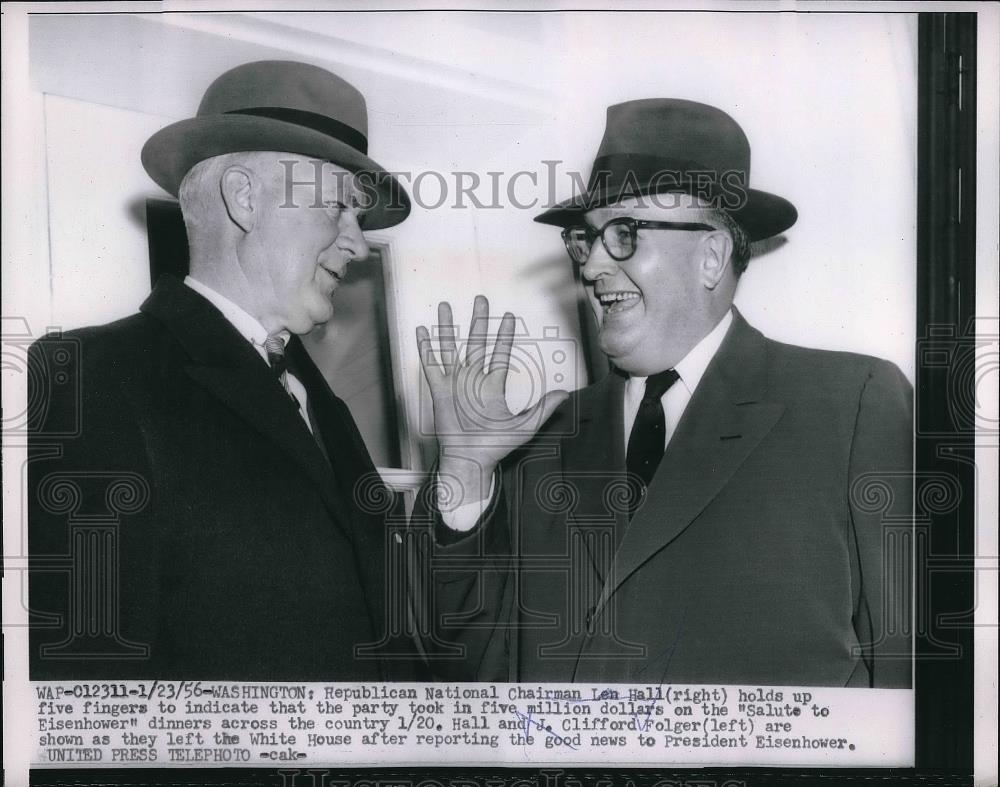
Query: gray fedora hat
column 658, row 145
column 286, row 107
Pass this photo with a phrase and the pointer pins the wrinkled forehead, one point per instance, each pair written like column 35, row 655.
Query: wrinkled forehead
column 667, row 206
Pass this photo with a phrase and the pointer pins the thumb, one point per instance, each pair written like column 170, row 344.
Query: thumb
column 547, row 405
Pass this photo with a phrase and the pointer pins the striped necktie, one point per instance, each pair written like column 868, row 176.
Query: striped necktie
column 275, row 348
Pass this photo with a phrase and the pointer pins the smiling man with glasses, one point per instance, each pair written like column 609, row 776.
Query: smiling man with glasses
column 697, row 516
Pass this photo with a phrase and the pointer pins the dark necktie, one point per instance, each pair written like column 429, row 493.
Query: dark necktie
column 283, row 365
column 645, row 443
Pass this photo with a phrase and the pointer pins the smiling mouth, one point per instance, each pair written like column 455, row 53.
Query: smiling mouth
column 618, row 301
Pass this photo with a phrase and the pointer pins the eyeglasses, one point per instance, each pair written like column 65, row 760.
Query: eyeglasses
column 618, row 236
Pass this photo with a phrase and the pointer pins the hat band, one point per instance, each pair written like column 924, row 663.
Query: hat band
column 321, row 123
column 644, row 170
column 619, row 175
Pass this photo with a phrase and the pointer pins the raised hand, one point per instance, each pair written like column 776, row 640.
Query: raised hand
column 474, row 426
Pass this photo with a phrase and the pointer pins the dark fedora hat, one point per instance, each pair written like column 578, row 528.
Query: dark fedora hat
column 281, row 106
column 659, row 145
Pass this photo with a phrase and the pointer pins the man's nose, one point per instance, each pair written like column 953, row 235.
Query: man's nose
column 351, row 240
column 599, row 263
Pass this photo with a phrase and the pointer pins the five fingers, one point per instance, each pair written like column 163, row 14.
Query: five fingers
column 475, row 354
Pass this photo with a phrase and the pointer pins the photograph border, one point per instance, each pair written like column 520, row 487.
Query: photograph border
column 945, row 436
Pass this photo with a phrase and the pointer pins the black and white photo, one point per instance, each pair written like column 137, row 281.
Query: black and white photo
column 512, row 386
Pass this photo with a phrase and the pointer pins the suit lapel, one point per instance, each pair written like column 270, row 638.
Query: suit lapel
column 228, row 367
column 357, row 479
column 725, row 420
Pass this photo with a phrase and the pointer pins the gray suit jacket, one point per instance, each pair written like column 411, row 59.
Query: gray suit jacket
column 763, row 553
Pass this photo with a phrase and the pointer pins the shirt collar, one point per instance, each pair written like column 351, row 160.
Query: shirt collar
column 248, row 327
column 691, row 368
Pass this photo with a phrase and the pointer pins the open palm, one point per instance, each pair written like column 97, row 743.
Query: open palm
column 474, row 425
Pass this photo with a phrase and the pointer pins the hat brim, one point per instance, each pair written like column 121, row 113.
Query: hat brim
column 170, row 153
column 762, row 214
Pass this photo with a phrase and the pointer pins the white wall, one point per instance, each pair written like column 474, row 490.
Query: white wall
column 97, row 231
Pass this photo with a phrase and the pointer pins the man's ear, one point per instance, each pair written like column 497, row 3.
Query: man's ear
column 717, row 247
column 239, row 193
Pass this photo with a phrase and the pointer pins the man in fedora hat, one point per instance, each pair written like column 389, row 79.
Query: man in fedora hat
column 227, row 467
column 702, row 514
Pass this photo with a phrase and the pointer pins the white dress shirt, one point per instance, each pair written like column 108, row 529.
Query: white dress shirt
column 255, row 333
column 690, row 369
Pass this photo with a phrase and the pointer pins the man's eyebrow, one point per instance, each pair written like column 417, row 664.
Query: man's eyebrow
column 613, row 213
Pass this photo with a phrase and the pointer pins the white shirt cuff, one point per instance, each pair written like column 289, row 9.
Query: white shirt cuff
column 464, row 517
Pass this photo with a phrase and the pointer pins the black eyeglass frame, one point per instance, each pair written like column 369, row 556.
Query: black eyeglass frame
column 634, row 225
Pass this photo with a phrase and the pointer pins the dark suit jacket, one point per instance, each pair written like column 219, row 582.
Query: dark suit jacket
column 236, row 550
column 756, row 558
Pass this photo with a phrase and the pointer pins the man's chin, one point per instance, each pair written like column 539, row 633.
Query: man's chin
column 319, row 326
column 311, row 323
column 614, row 345
column 321, row 313
column 631, row 358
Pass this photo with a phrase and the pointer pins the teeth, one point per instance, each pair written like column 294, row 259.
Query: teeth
column 613, row 297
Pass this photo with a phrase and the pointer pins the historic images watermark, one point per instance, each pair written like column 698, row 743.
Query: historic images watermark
column 311, row 182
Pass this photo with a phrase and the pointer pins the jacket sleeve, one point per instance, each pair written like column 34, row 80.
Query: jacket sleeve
column 462, row 584
column 881, row 500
